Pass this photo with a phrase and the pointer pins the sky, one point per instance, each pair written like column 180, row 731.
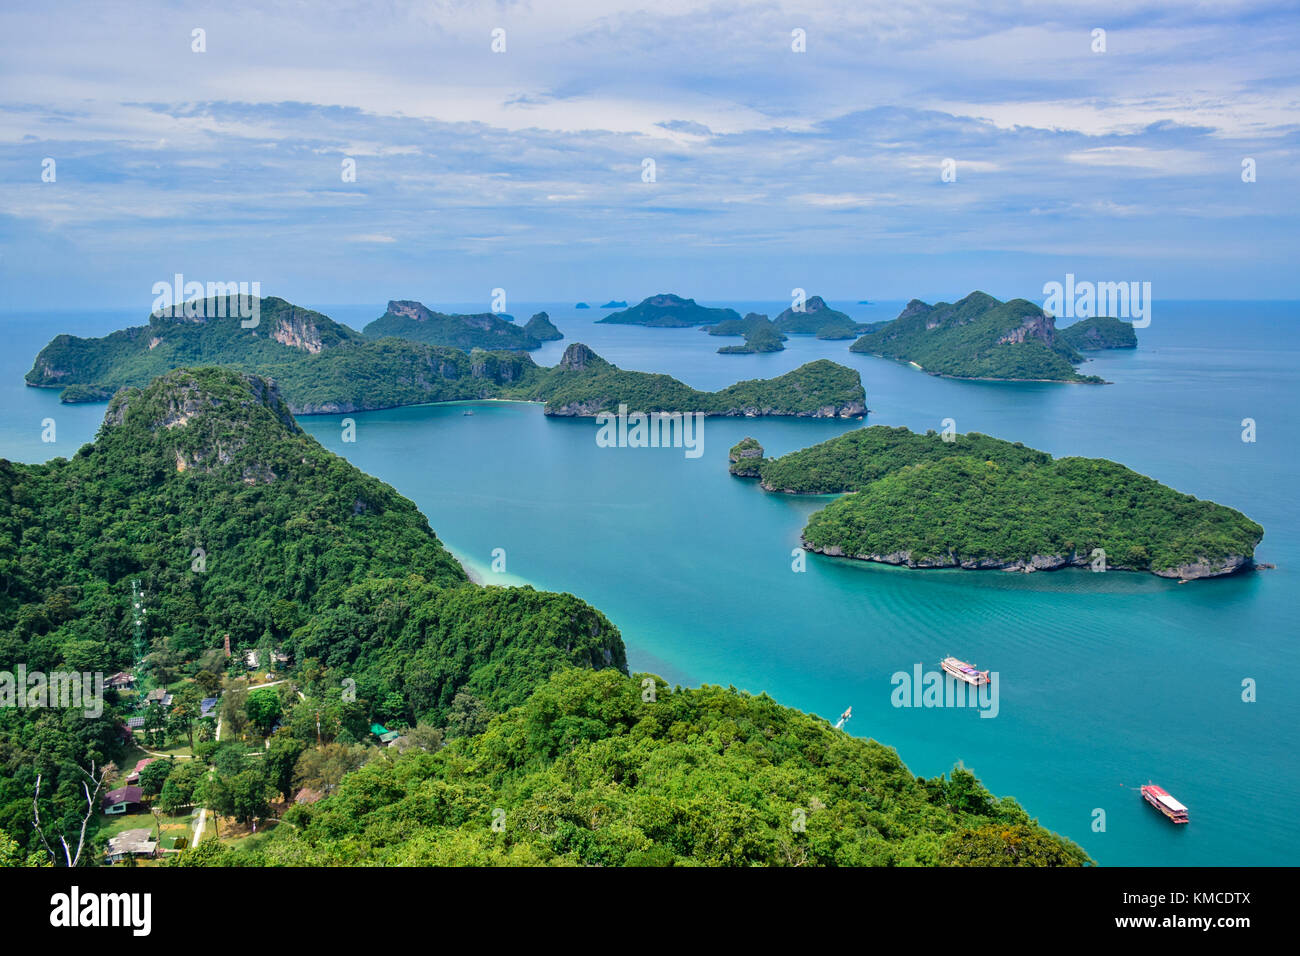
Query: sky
column 1115, row 157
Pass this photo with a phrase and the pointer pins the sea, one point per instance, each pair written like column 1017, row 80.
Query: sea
column 1106, row 681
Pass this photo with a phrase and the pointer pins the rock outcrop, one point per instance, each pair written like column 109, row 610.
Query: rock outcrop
column 746, row 458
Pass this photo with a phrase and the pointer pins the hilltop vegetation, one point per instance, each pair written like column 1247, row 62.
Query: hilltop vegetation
column 977, row 337
column 587, row 772
column 979, row 502
column 851, row 461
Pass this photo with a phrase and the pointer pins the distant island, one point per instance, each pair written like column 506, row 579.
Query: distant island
column 582, row 305
column 975, row 502
column 411, row 320
column 614, row 304
column 760, row 334
column 584, row 384
column 1098, row 333
column 541, row 328
column 668, row 311
column 322, row 367
column 979, row 337
column 818, row 318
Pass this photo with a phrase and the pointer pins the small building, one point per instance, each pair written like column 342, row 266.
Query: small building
column 134, row 775
column 208, row 707
column 158, row 695
column 127, row 799
column 385, row 735
column 122, row 680
column 131, row 843
column 250, row 658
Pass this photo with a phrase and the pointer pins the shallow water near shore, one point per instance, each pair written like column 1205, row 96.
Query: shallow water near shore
column 1105, row 680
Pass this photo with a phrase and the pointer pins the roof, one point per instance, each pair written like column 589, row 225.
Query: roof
column 307, row 795
column 135, row 723
column 206, row 705
column 131, row 794
column 158, row 693
column 132, row 841
column 144, row 763
column 378, row 729
column 1171, row 803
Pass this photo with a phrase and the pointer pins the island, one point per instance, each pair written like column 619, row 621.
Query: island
column 321, row 367
column 759, row 332
column 333, row 579
column 582, row 305
column 410, row 320
column 542, row 329
column 739, row 326
column 818, row 318
column 976, row 502
column 757, row 339
column 1099, row 332
column 746, row 458
column 668, row 311
column 614, row 304
column 583, row 385
column 977, row 337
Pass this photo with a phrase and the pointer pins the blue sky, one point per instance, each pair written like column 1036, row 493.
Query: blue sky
column 523, row 169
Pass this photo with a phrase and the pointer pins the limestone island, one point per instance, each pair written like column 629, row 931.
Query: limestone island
column 410, row 320
column 745, row 458
column 819, row 319
column 614, row 304
column 979, row 337
column 1098, row 333
column 542, row 328
column 668, row 311
column 975, row 502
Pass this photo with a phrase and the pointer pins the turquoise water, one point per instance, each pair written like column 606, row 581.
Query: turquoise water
column 1106, row 680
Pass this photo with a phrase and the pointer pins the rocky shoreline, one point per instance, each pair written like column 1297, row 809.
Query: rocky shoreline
column 1232, row 564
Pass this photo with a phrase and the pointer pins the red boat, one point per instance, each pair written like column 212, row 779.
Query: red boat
column 1159, row 798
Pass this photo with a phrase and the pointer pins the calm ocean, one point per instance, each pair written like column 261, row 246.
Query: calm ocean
column 1106, row 680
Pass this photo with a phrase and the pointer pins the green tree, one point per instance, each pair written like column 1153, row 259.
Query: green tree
column 280, row 761
column 467, row 716
column 155, row 774
column 263, row 709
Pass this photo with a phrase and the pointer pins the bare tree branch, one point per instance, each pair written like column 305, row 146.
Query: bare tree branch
column 72, row 859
